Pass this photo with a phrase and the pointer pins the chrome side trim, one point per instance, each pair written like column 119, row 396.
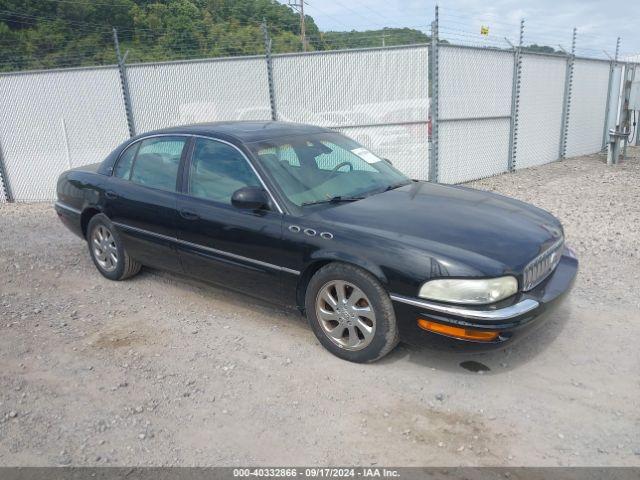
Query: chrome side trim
column 208, row 249
column 506, row 313
column 64, row 206
column 239, row 257
column 146, row 232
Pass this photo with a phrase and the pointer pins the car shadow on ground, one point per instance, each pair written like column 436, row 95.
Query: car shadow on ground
column 461, row 361
column 214, row 292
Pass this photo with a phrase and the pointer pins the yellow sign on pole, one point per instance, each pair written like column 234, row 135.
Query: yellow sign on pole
column 484, row 30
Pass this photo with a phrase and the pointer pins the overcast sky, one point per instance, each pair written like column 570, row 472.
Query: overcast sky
column 547, row 22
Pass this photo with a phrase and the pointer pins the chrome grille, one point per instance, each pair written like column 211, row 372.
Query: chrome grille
column 541, row 266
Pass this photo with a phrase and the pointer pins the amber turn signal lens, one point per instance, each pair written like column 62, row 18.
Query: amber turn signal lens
column 457, row 332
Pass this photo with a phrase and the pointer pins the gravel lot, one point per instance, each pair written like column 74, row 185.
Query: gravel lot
column 161, row 370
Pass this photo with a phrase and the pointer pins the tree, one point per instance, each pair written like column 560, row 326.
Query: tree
column 539, row 48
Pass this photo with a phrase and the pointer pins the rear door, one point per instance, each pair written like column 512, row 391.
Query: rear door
column 239, row 249
column 142, row 199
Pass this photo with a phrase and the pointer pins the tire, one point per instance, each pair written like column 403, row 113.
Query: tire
column 124, row 266
column 371, row 321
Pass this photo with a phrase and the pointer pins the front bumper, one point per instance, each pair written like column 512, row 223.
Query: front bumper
column 511, row 321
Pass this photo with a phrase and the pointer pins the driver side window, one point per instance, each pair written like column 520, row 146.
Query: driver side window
column 217, row 170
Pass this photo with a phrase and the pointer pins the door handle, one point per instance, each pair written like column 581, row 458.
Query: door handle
column 110, row 194
column 189, row 215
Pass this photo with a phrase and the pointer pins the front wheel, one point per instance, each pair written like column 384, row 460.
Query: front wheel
column 107, row 251
column 351, row 313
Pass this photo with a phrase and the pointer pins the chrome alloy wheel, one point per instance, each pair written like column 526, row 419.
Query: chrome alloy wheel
column 345, row 315
column 104, row 248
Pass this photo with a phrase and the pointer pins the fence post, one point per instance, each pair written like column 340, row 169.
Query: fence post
column 612, row 67
column 635, row 128
column 566, row 107
column 267, row 50
column 515, row 101
column 433, row 75
column 124, row 84
column 4, row 180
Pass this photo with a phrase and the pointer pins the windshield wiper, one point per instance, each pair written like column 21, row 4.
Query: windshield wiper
column 390, row 187
column 336, row 199
column 396, row 185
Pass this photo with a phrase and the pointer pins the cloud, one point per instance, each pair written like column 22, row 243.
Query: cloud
column 547, row 22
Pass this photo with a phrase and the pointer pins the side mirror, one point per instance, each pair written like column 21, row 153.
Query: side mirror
column 249, row 198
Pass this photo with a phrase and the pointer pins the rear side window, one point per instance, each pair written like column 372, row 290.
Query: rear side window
column 157, row 161
column 218, row 170
column 123, row 168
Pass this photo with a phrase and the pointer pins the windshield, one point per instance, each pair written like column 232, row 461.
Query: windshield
column 325, row 167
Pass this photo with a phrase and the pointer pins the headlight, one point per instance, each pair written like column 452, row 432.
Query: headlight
column 477, row 292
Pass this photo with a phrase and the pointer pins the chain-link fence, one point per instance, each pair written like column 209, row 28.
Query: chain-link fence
column 540, row 109
column 588, row 106
column 378, row 96
column 500, row 109
column 178, row 93
column 56, row 120
column 497, row 109
column 474, row 112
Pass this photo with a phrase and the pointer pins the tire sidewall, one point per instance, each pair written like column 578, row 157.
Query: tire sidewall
column 101, row 219
column 385, row 317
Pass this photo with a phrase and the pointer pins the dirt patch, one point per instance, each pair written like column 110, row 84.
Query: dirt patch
column 117, row 338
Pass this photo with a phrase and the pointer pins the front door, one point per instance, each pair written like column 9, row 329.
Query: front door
column 218, row 242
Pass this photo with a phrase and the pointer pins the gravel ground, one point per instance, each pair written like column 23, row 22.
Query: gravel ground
column 161, row 370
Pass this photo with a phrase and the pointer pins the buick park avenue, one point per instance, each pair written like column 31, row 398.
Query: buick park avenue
column 303, row 216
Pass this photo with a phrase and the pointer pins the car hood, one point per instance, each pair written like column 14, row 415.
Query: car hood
column 457, row 222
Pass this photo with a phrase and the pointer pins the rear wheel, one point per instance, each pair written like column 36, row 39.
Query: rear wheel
column 107, row 251
column 351, row 313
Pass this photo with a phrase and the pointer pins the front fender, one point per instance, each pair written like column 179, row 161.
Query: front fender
column 337, row 256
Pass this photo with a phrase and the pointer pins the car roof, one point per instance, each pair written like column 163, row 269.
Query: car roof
column 245, row 131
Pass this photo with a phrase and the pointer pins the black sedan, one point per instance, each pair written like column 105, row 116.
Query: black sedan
column 304, row 216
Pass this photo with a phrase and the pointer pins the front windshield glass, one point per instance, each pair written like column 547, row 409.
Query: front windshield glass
column 325, row 167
